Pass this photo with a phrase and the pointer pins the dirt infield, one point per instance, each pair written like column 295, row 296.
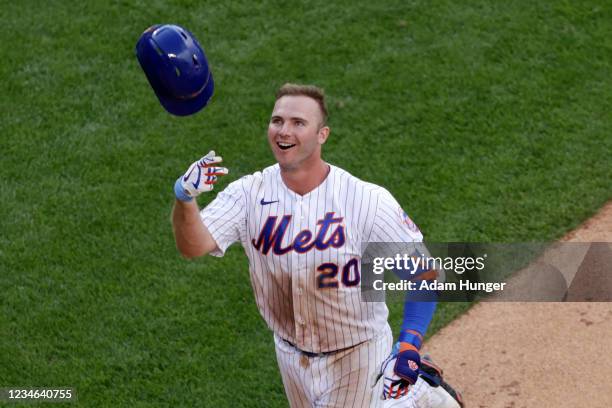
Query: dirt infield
column 533, row 354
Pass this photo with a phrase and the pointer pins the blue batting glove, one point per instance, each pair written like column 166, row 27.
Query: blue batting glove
column 408, row 362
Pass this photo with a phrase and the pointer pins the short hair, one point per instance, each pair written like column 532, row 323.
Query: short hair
column 310, row 91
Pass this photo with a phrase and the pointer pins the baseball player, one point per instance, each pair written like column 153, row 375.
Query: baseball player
column 302, row 223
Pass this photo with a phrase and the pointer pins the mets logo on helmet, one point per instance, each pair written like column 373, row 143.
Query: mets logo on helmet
column 406, row 220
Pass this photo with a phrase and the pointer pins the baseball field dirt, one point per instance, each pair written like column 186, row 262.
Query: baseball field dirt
column 516, row 354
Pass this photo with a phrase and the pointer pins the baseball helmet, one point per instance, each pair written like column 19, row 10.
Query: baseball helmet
column 176, row 67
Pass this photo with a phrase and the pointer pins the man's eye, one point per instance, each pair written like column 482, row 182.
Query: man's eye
column 299, row 123
column 275, row 121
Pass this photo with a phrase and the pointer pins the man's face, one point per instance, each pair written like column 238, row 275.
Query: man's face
column 295, row 131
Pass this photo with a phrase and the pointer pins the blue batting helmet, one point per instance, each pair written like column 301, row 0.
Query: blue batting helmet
column 176, row 67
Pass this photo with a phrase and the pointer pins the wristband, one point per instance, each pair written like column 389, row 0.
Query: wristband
column 179, row 192
column 411, row 337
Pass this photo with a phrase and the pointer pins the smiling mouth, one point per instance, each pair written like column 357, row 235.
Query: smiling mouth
column 284, row 146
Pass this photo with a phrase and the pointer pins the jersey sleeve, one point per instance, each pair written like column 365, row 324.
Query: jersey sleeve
column 225, row 216
column 395, row 234
column 391, row 223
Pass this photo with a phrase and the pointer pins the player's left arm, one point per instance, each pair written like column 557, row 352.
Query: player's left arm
column 403, row 366
column 417, row 317
column 392, row 225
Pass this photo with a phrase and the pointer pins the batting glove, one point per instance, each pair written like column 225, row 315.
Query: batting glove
column 408, row 362
column 199, row 178
column 400, row 370
column 394, row 387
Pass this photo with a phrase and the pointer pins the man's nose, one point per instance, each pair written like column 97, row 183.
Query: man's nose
column 285, row 130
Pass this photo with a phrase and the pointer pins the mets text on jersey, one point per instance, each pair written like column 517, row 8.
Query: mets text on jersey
column 271, row 236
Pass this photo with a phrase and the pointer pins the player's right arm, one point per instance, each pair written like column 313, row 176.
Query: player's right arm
column 191, row 235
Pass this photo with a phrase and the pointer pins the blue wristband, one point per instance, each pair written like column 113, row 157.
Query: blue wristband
column 412, row 338
column 179, row 192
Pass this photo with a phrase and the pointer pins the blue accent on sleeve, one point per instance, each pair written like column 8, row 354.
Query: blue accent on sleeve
column 420, row 304
column 417, row 316
column 180, row 193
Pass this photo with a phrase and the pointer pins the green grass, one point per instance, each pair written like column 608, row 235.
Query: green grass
column 488, row 123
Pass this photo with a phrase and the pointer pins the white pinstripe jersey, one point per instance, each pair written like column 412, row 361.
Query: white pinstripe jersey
column 304, row 252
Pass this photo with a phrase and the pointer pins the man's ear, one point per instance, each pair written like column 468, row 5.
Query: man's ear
column 323, row 134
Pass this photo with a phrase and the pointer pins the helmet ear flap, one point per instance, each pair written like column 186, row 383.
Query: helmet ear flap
column 176, row 67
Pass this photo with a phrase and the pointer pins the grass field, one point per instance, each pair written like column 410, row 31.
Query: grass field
column 487, row 122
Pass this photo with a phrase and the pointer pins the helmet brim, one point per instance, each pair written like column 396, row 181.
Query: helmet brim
column 185, row 107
